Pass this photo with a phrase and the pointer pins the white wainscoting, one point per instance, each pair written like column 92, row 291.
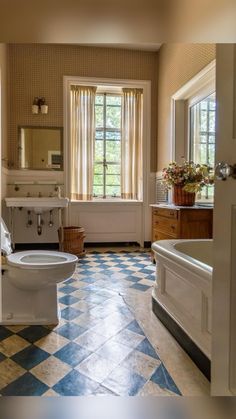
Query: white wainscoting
column 109, row 221
column 114, row 221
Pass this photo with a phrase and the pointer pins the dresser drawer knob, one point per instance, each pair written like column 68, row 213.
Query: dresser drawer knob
column 172, row 213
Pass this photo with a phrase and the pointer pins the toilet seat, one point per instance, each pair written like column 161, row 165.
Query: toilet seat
column 40, row 259
column 35, row 269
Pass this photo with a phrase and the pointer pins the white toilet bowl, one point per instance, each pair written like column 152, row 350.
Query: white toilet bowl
column 29, row 285
column 36, row 269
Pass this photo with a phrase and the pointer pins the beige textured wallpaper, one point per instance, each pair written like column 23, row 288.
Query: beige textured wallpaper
column 3, row 69
column 38, row 70
column 178, row 63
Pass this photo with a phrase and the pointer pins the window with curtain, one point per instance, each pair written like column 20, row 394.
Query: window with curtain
column 106, row 143
column 202, row 136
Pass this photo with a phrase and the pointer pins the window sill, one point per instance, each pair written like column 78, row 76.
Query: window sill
column 108, row 201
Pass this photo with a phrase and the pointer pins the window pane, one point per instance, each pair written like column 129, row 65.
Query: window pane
column 99, row 116
column 98, row 190
column 99, row 100
column 113, row 117
column 212, row 104
column 113, row 135
column 211, row 152
column 113, row 190
column 203, row 121
column 113, row 100
column 202, row 154
column 98, row 169
column 212, row 138
column 113, row 151
column 98, row 150
column 113, row 180
column 98, row 180
column 203, row 138
column 113, row 169
column 203, row 105
column 212, row 121
column 99, row 135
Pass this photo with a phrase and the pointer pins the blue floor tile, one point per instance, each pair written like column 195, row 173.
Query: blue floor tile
column 134, row 327
column 68, row 289
column 72, row 354
column 30, row 357
column 70, row 330
column 140, row 287
column 75, row 384
column 164, row 380
column 34, row 333
column 68, row 300
column 133, row 278
column 70, row 313
column 146, row 347
column 27, row 385
column 4, row 333
column 89, row 280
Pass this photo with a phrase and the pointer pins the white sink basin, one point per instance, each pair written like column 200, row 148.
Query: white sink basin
column 38, row 205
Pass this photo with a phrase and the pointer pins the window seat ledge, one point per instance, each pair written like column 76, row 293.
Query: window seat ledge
column 107, row 201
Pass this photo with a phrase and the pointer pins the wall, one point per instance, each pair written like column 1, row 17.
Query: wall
column 3, row 121
column 178, row 63
column 38, row 70
column 3, row 70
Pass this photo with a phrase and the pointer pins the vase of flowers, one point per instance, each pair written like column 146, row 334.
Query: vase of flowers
column 186, row 179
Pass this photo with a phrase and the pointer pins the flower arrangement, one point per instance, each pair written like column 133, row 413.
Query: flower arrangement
column 190, row 176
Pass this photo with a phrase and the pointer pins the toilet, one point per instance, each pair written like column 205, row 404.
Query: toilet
column 29, row 283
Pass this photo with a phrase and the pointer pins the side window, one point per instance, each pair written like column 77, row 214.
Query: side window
column 202, row 137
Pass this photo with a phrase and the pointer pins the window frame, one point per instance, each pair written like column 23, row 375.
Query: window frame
column 192, row 102
column 196, row 89
column 111, row 85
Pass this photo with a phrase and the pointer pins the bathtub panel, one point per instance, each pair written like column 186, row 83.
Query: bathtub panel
column 186, row 296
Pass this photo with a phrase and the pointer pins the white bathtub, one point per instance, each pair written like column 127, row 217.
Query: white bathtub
column 183, row 286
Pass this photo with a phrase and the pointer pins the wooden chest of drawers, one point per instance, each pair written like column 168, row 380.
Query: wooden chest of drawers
column 169, row 222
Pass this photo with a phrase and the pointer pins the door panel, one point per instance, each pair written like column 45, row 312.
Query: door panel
column 224, row 277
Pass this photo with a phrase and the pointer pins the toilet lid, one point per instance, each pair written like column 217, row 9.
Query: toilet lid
column 5, row 239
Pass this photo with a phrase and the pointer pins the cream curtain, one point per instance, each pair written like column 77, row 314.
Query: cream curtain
column 82, row 136
column 132, row 144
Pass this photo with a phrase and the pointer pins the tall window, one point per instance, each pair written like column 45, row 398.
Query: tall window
column 106, row 142
column 107, row 160
column 202, row 136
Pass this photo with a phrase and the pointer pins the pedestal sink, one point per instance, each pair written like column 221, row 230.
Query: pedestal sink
column 38, row 205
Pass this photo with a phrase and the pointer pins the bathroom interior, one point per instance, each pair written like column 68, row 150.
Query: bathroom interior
column 132, row 315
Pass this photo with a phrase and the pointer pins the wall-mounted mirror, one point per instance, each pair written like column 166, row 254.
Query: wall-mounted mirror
column 41, row 148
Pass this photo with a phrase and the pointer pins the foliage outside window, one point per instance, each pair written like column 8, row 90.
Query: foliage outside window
column 107, row 160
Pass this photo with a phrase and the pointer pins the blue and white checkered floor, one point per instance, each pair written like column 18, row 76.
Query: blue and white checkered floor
column 98, row 348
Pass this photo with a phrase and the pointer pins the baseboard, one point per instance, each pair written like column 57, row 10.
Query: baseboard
column 112, row 244
column 195, row 353
column 36, row 246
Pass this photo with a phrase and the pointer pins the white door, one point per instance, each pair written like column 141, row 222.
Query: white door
column 224, row 277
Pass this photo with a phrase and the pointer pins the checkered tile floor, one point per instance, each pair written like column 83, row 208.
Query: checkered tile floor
column 98, row 348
